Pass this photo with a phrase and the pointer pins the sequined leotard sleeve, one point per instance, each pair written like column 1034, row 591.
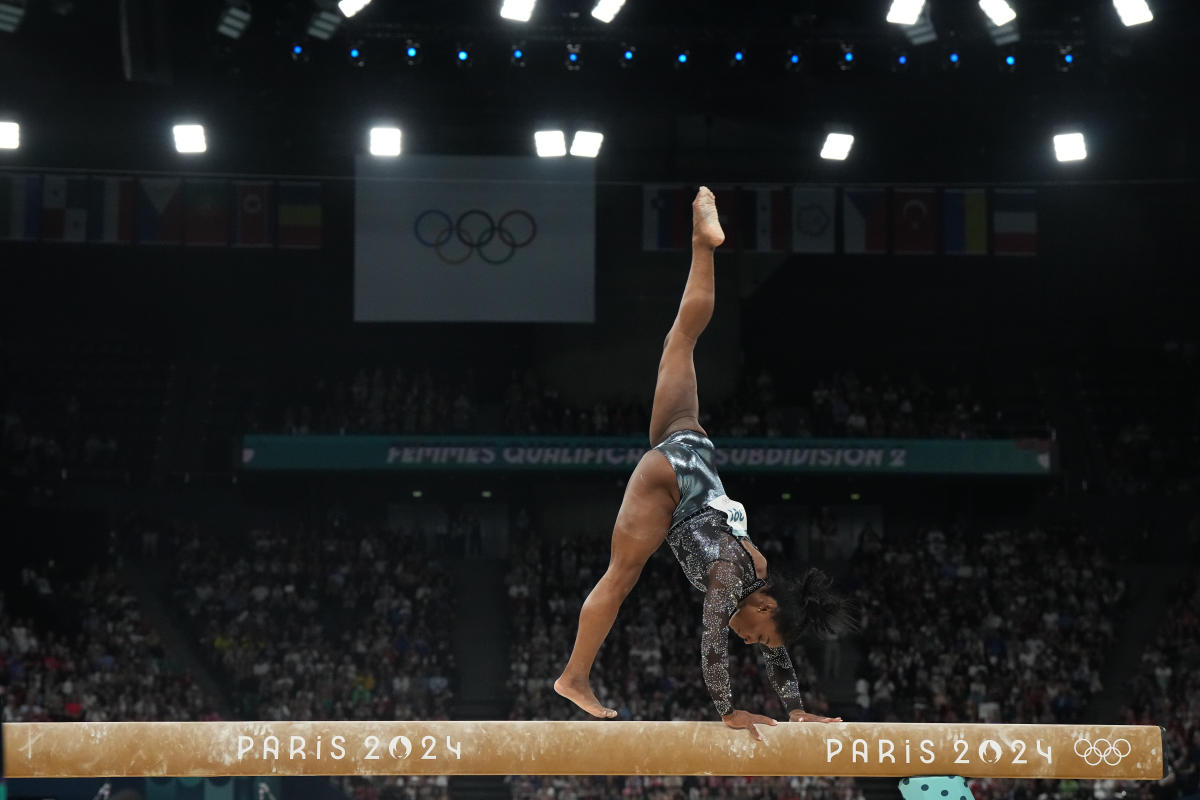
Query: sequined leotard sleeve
column 782, row 676
column 724, row 588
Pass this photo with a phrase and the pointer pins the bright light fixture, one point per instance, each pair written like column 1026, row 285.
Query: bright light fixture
column 837, row 146
column 550, row 144
column 385, row 142
column 351, row 7
column 190, row 139
column 1133, row 12
column 1070, row 147
column 606, row 10
column 586, row 144
column 10, row 135
column 234, row 19
column 905, row 12
column 998, row 11
column 518, row 10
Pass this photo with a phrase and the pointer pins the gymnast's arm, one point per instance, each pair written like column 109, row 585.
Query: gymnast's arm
column 720, row 602
column 782, row 676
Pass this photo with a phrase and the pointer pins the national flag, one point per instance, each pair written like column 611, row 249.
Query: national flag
column 112, row 204
column 64, row 209
column 1014, row 222
column 160, row 211
column 864, row 221
column 813, row 222
column 206, row 221
column 253, row 216
column 736, row 209
column 299, row 214
column 771, row 220
column 666, row 218
column 914, row 221
column 964, row 222
column 20, row 207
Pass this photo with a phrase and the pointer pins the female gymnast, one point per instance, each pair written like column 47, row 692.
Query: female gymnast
column 674, row 494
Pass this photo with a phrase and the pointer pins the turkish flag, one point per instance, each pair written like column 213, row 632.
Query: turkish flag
column 915, row 221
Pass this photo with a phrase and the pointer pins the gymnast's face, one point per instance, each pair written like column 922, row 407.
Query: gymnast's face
column 754, row 621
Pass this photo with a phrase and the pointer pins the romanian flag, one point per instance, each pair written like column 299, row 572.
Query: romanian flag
column 299, row 214
column 964, row 222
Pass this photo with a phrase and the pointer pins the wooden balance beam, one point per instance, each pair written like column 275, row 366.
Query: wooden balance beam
column 599, row 747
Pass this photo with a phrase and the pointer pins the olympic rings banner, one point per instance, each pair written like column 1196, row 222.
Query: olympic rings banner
column 474, row 239
column 499, row 453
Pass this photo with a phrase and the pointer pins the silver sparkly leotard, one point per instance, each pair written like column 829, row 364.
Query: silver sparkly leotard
column 707, row 546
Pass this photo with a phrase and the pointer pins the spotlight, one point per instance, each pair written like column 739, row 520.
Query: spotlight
column 234, row 19
column 10, row 135
column 574, row 56
column 323, row 24
column 682, row 58
column 846, row 61
column 412, row 52
column 586, row 144
column 998, row 11
column 953, row 59
column 351, row 7
column 517, row 10
column 837, row 146
column 628, row 54
column 1070, row 147
column 11, row 13
column 516, row 55
column 462, row 56
column 606, row 10
column 1132, row 12
column 550, row 144
column 189, row 138
column 1010, row 63
column 1066, row 58
column 738, row 58
column 357, row 57
column 385, row 142
column 905, row 12
column 794, row 61
column 297, row 51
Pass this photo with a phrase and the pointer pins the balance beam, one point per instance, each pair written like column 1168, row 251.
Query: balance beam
column 599, row 747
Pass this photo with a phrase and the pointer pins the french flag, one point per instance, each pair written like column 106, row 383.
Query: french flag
column 1014, row 222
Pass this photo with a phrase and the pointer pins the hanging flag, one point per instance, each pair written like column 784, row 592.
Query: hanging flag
column 20, row 207
column 253, row 217
column 111, row 210
column 812, row 219
column 64, row 209
column 1014, row 222
column 771, row 220
column 864, row 221
column 914, row 221
column 964, row 222
column 666, row 218
column 299, row 214
column 206, row 221
column 159, row 211
column 736, row 209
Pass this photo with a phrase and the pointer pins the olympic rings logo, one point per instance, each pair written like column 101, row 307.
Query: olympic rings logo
column 455, row 240
column 1111, row 753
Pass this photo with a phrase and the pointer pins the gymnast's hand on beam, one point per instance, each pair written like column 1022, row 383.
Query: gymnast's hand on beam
column 800, row 715
column 744, row 719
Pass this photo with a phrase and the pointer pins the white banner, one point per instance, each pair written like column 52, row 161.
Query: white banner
column 474, row 239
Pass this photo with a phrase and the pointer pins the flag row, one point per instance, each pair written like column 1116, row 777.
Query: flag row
column 160, row 211
column 868, row 221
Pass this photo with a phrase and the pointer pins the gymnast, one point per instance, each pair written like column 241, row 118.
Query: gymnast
column 675, row 494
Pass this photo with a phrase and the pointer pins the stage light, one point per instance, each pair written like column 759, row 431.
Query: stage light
column 517, row 55
column 1066, row 58
column 357, row 56
column 739, row 57
column 998, row 11
column 682, row 58
column 189, row 138
column 297, row 50
column 628, row 54
column 793, row 62
column 902, row 60
column 846, row 62
column 837, row 146
column 385, row 142
column 10, row 135
column 412, row 52
column 1133, row 12
column 899, row 62
column 354, row 52
column 574, row 58
column 1010, row 61
column 606, row 10
column 954, row 59
column 517, row 10
column 323, row 24
column 462, row 56
column 905, row 12
column 351, row 7
column 234, row 19
column 550, row 144
column 1070, row 147
column 11, row 13
column 586, row 144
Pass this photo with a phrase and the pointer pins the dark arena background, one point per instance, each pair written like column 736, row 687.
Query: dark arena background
column 329, row 335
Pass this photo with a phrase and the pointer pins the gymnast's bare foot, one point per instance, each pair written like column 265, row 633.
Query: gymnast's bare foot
column 706, row 227
column 579, row 693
